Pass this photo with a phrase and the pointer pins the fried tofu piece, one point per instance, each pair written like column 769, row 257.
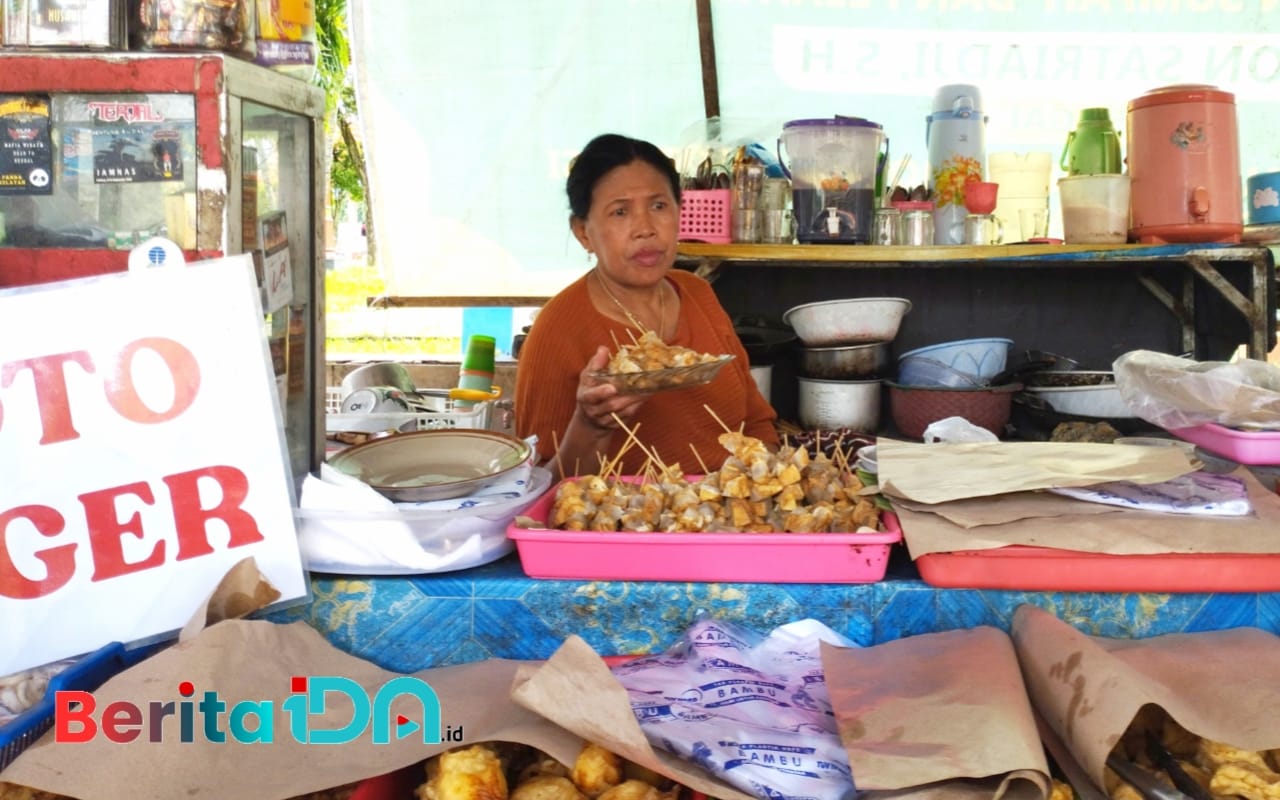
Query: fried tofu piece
column 471, row 773
column 547, row 787
column 1248, row 780
column 595, row 771
column 1213, row 755
column 633, row 790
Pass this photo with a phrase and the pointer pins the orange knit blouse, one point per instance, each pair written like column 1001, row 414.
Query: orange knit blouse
column 565, row 335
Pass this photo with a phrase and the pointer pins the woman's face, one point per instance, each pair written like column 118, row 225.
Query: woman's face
column 633, row 224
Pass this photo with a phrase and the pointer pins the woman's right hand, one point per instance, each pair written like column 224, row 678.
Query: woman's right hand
column 599, row 404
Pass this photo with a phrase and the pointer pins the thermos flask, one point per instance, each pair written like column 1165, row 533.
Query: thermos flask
column 956, row 136
column 1093, row 148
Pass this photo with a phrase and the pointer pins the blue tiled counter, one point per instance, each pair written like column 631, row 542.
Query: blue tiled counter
column 411, row 623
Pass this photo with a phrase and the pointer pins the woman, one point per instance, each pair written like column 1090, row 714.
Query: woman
column 624, row 199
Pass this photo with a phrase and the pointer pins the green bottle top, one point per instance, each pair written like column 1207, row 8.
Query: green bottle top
column 480, row 350
column 1099, row 117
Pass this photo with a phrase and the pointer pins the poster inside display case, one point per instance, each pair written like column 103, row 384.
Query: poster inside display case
column 124, row 170
column 63, row 23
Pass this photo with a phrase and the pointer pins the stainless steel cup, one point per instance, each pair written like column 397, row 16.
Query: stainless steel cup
column 917, row 227
column 776, row 226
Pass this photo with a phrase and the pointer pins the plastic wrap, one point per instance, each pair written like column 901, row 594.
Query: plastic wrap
column 752, row 710
column 1177, row 393
column 287, row 36
column 226, row 25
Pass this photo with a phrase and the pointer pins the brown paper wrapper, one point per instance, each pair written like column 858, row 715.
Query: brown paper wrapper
column 576, row 690
column 931, row 529
column 242, row 591
column 937, row 715
column 1220, row 685
column 255, row 661
column 936, row 473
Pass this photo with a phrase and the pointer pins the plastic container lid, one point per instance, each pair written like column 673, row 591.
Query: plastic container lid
column 838, row 121
column 957, row 98
column 1182, row 93
column 912, row 205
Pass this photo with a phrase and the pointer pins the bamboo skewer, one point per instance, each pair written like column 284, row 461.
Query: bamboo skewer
column 698, row 456
column 714, row 416
column 555, row 442
column 632, row 437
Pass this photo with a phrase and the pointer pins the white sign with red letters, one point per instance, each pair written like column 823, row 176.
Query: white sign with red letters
column 141, row 456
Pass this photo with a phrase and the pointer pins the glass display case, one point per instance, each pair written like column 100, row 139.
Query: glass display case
column 99, row 152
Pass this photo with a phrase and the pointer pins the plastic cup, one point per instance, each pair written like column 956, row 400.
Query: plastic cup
column 477, row 367
column 1095, row 208
column 1033, row 223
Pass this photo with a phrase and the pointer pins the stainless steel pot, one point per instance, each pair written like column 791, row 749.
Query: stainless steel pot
column 848, row 362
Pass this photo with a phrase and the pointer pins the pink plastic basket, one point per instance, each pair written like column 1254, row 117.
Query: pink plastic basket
column 710, row 557
column 705, row 216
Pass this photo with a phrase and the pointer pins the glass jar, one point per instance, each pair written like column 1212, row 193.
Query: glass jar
column 917, row 222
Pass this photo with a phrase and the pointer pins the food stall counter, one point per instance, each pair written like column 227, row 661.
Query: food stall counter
column 408, row 623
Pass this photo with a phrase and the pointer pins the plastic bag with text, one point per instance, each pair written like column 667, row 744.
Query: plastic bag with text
column 752, row 710
column 1176, row 393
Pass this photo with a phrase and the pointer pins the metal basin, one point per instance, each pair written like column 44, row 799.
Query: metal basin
column 848, row 362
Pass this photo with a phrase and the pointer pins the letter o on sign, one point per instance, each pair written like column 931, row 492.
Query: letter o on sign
column 184, row 372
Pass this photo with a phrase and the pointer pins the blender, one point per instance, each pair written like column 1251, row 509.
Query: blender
column 833, row 165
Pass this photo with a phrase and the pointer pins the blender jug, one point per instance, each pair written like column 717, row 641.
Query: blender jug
column 955, row 134
column 833, row 165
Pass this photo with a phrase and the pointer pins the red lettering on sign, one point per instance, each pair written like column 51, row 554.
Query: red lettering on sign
column 59, row 562
column 71, row 724
column 191, row 520
column 51, row 391
column 106, row 531
column 183, row 369
column 121, row 722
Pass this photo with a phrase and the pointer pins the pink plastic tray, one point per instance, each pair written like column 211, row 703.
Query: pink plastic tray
column 1043, row 569
column 1245, row 447
column 727, row 557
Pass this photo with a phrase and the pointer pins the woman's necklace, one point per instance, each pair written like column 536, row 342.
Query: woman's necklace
column 662, row 307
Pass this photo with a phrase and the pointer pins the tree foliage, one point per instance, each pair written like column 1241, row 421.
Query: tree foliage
column 348, row 172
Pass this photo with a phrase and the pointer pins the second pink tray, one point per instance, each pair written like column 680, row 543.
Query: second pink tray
column 1043, row 569
column 1245, row 447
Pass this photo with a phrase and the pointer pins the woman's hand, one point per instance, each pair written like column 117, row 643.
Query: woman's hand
column 599, row 402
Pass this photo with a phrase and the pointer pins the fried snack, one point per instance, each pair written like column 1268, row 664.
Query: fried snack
column 596, row 770
column 472, row 773
column 12, row 791
column 1212, row 755
column 1246, row 779
column 650, row 353
column 1061, row 791
column 1117, row 788
column 541, row 766
column 547, row 787
column 633, row 790
column 754, row 490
